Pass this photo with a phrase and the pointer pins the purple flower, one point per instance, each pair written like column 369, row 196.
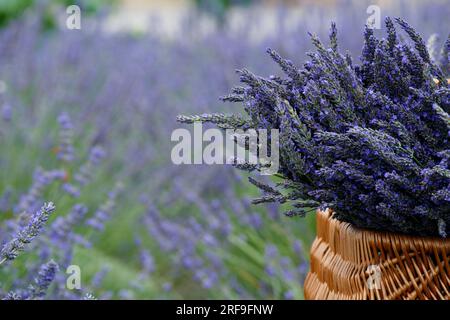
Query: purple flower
column 66, row 149
column 104, row 213
column 7, row 112
column 27, row 234
column 84, row 175
column 44, row 279
column 41, row 179
column 147, row 262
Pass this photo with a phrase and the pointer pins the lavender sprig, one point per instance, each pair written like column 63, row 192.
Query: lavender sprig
column 66, row 149
column 27, row 234
column 45, row 277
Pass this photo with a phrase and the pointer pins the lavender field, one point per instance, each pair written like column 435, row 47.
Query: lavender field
column 86, row 177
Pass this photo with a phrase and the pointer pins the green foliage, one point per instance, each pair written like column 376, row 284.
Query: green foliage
column 219, row 8
column 11, row 10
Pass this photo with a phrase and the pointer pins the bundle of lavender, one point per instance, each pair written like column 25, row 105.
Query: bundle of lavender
column 368, row 140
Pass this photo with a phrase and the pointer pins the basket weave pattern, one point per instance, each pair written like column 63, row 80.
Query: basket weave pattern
column 343, row 259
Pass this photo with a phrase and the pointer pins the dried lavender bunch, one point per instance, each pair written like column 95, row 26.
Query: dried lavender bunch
column 370, row 141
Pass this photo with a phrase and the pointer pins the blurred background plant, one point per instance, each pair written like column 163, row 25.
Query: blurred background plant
column 10, row 10
column 148, row 228
column 219, row 8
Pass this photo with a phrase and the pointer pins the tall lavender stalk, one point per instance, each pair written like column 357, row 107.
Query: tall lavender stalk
column 27, row 234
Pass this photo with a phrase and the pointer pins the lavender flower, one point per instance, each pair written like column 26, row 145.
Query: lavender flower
column 72, row 190
column 66, row 149
column 98, row 278
column 27, row 234
column 84, row 175
column 104, row 212
column 61, row 230
column 167, row 286
column 271, row 256
column 44, row 279
column 147, row 262
column 89, row 296
column 5, row 200
column 41, row 179
column 12, row 296
column 7, row 112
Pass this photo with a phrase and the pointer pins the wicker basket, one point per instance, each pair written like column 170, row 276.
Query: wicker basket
column 350, row 263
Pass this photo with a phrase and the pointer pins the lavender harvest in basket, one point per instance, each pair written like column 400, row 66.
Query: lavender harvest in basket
column 371, row 141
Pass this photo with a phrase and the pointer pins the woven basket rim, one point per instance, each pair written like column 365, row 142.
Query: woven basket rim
column 384, row 239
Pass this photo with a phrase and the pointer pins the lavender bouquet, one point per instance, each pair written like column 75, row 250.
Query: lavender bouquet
column 370, row 141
